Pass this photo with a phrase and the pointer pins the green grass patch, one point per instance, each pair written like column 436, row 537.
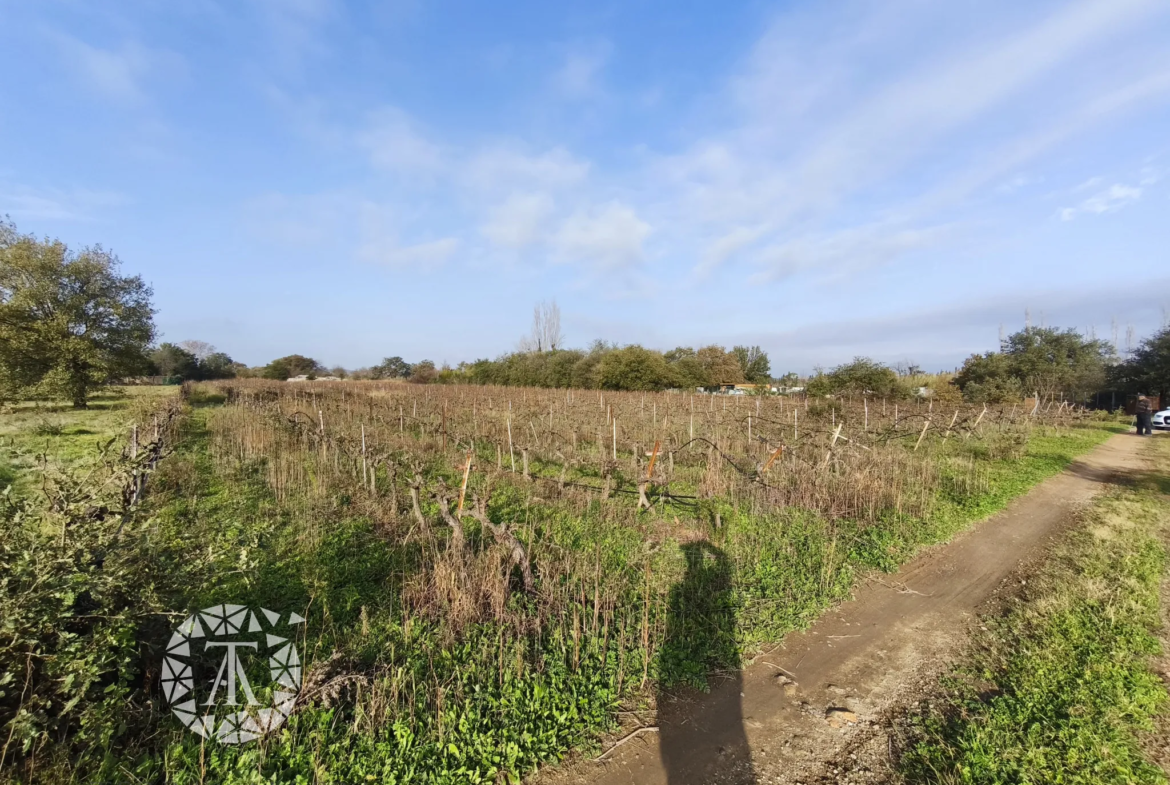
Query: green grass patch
column 54, row 434
column 1059, row 689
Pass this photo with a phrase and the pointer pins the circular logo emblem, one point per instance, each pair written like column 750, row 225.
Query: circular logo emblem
column 213, row 674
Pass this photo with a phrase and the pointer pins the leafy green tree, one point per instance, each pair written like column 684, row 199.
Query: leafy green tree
column 197, row 360
column 559, row 366
column 863, row 376
column 1148, row 369
column 789, row 379
column 988, row 378
column 1043, row 360
column 754, row 364
column 391, row 368
column 69, row 322
column 689, row 370
column 585, row 370
column 173, row 361
column 292, row 365
column 634, row 368
column 1050, row 361
column 721, row 366
column 217, row 365
column 423, row 372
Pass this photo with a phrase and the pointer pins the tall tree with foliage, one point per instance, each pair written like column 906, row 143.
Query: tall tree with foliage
column 988, row 378
column 634, row 368
column 292, row 365
column 391, row 368
column 1052, row 361
column 753, row 362
column 863, row 376
column 1147, row 370
column 1042, row 360
column 69, row 322
column 722, row 366
column 423, row 372
column 688, row 368
column 174, row 361
column 216, row 365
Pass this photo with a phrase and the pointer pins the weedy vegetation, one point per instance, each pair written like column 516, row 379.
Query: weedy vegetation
column 489, row 574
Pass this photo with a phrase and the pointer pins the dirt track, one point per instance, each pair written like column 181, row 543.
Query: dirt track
column 768, row 724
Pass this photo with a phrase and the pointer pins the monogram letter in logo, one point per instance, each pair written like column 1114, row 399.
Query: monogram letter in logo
column 214, row 675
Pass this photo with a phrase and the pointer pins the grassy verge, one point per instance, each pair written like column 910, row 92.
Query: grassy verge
column 54, row 434
column 1060, row 689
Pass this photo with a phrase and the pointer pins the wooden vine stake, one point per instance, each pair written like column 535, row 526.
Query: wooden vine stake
column 833, row 441
column 365, row 466
column 511, row 452
column 922, row 435
column 463, row 488
column 977, row 421
column 643, row 502
column 653, row 458
column 952, row 425
column 772, row 459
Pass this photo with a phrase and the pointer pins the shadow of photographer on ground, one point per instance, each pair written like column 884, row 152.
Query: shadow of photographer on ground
column 709, row 744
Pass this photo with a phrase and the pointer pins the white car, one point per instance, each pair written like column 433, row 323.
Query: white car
column 1161, row 420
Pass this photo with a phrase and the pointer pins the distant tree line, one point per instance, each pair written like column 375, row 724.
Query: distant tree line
column 190, row 360
column 609, row 367
column 1042, row 361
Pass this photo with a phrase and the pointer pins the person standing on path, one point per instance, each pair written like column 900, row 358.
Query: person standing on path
column 1144, row 416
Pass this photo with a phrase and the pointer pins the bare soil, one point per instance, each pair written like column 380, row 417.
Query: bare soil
column 818, row 707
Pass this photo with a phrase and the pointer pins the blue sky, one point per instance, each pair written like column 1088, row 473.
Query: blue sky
column 827, row 179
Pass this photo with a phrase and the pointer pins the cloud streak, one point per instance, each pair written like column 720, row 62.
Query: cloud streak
column 1112, row 199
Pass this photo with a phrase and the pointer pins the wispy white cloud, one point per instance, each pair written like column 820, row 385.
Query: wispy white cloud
column 728, row 244
column 607, row 236
column 849, row 250
column 294, row 28
column 816, row 163
column 420, row 257
column 1110, row 200
column 501, row 167
column 393, row 142
column 298, row 221
column 74, row 204
column 1018, row 182
column 811, row 147
column 118, row 74
column 1092, row 182
column 519, row 222
column 580, row 73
